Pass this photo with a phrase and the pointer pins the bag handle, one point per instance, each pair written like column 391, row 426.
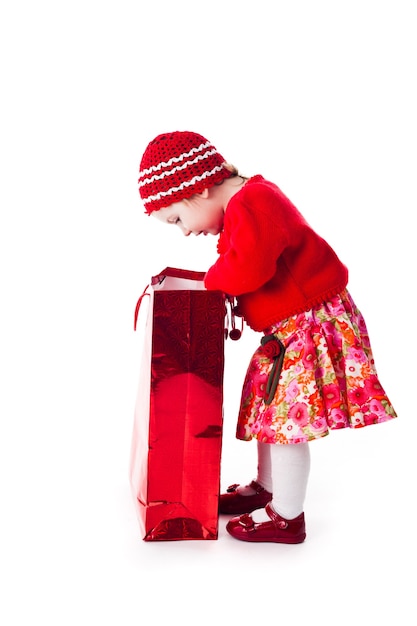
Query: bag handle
column 145, row 293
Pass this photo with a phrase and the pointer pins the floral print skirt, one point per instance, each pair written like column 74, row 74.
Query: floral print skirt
column 328, row 378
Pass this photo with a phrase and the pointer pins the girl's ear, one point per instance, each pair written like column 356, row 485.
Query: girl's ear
column 201, row 194
column 204, row 193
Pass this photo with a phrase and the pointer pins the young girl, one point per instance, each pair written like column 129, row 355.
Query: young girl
column 314, row 370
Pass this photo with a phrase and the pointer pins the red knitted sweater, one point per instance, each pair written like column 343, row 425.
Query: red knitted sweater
column 271, row 259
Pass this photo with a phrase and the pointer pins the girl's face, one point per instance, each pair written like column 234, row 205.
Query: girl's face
column 202, row 214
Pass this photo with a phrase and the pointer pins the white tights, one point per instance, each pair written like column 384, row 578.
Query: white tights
column 283, row 470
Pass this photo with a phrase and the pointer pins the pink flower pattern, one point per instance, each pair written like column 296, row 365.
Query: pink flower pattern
column 328, row 379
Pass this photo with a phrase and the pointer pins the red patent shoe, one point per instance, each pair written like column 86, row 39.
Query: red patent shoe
column 278, row 530
column 234, row 503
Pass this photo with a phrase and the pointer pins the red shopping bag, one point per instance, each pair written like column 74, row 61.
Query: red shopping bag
column 177, row 433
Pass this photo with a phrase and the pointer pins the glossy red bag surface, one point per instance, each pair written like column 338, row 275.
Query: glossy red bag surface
column 177, row 434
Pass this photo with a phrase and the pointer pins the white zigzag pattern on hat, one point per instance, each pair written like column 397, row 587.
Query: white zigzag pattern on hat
column 178, row 168
column 187, row 183
column 178, row 159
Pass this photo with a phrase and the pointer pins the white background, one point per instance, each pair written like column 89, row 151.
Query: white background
column 319, row 97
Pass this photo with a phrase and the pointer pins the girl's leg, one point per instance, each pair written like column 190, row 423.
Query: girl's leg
column 290, row 468
column 243, row 498
column 264, row 477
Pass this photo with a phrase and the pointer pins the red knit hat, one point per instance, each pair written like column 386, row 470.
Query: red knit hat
column 177, row 165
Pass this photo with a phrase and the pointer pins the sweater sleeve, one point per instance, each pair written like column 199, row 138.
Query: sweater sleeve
column 252, row 242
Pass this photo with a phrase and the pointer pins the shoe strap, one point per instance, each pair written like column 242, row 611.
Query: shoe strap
column 256, row 487
column 279, row 521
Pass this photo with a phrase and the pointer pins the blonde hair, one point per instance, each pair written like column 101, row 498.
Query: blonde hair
column 231, row 168
column 234, row 171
